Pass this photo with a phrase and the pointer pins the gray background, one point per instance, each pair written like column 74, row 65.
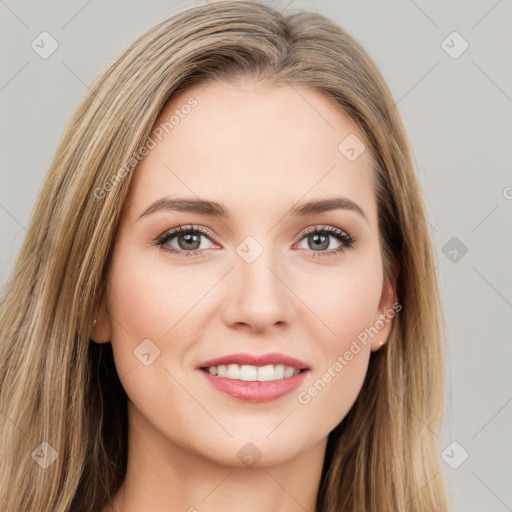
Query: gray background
column 457, row 112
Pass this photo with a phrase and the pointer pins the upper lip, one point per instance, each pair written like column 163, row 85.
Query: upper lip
column 256, row 360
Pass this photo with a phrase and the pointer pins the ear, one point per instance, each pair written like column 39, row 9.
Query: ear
column 388, row 308
column 102, row 330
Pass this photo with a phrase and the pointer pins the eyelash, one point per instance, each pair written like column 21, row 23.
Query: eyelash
column 347, row 240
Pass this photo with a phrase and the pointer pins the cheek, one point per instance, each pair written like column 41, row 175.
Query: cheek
column 133, row 301
column 142, row 309
column 138, row 313
column 145, row 301
column 148, row 302
column 347, row 304
column 359, row 304
column 346, row 301
column 332, row 391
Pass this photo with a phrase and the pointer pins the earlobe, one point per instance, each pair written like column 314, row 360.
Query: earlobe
column 377, row 344
column 94, row 336
column 101, row 329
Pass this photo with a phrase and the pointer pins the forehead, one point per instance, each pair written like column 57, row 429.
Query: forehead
column 245, row 143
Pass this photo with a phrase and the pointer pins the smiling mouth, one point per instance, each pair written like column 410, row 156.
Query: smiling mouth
column 250, row 373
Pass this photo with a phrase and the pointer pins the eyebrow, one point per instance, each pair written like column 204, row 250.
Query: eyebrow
column 215, row 209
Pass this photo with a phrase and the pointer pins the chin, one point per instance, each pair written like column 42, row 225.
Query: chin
column 263, row 453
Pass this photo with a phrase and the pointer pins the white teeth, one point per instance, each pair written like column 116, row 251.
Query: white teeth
column 266, row 373
column 247, row 372
column 232, row 371
column 279, row 371
column 253, row 373
column 288, row 371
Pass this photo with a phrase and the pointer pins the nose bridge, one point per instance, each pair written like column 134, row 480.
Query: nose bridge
column 259, row 296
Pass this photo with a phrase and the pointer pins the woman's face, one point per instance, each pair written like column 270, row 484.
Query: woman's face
column 255, row 276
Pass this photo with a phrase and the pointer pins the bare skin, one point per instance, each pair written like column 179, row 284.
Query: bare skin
column 259, row 151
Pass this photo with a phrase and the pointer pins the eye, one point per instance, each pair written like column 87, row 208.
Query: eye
column 188, row 239
column 319, row 239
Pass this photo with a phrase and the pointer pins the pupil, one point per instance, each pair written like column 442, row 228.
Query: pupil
column 188, row 240
column 323, row 245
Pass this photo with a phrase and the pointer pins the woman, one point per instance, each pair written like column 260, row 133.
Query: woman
column 293, row 360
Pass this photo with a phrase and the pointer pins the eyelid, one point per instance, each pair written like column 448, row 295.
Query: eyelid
column 185, row 228
column 321, row 227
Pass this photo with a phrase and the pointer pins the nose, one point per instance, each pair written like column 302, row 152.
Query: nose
column 259, row 294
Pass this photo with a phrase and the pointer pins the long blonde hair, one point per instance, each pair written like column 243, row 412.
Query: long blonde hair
column 57, row 387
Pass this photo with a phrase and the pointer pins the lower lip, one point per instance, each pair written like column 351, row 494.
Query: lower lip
column 255, row 391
